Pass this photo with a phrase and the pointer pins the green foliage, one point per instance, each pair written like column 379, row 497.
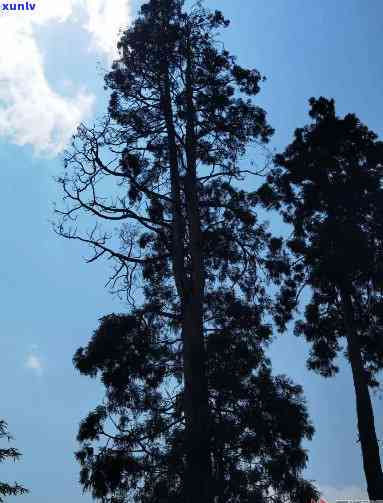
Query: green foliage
column 133, row 446
column 6, row 454
column 257, row 421
column 328, row 185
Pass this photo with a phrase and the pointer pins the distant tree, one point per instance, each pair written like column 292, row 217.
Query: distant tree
column 194, row 412
column 329, row 186
column 5, row 454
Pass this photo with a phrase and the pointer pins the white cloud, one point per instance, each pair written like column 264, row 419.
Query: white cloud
column 31, row 112
column 333, row 494
column 34, row 363
column 105, row 19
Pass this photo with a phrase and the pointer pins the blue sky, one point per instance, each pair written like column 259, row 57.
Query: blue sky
column 50, row 78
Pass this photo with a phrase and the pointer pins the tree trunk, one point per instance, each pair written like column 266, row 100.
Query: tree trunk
column 196, row 390
column 198, row 473
column 365, row 415
column 190, row 290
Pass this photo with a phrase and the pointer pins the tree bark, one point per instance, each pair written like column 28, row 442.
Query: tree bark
column 196, row 390
column 190, row 290
column 365, row 414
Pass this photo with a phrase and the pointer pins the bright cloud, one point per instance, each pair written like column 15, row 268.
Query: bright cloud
column 31, row 112
column 34, row 363
column 105, row 20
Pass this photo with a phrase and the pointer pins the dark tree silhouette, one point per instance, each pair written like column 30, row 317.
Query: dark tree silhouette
column 133, row 444
column 328, row 184
column 6, row 454
column 197, row 416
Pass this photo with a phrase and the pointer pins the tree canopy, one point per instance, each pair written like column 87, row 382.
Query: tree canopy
column 328, row 186
column 9, row 453
column 191, row 411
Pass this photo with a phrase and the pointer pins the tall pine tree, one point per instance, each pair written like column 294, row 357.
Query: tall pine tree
column 192, row 412
column 329, row 186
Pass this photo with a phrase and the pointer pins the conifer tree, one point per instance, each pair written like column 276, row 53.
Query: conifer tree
column 192, row 412
column 329, row 186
